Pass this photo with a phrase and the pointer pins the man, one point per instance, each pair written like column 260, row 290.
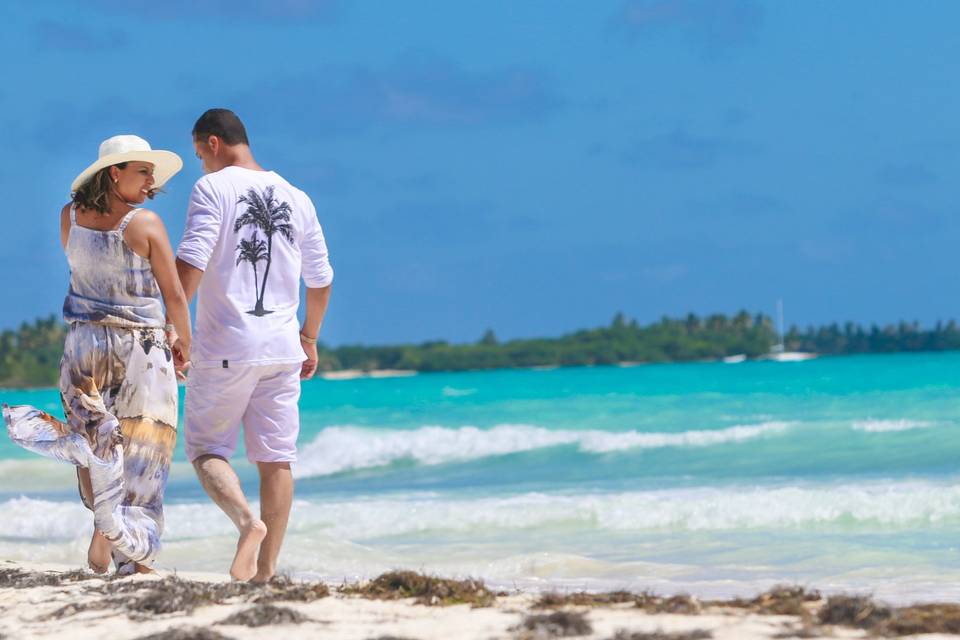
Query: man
column 249, row 238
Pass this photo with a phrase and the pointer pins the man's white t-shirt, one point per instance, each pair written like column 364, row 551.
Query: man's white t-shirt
column 253, row 235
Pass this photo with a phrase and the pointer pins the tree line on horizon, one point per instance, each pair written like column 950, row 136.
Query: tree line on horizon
column 30, row 355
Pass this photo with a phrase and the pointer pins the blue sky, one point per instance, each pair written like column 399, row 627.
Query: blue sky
column 532, row 166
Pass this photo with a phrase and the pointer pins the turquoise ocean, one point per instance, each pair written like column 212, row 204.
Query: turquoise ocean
column 717, row 479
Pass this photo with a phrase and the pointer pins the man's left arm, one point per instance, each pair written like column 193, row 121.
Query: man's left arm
column 318, row 276
column 317, row 301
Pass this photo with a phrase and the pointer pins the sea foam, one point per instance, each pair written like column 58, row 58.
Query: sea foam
column 887, row 426
column 864, row 506
column 344, row 448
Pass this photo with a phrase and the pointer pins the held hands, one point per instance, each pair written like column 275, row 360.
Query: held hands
column 181, row 352
column 181, row 357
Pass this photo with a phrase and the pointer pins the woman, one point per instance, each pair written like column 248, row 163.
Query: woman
column 117, row 377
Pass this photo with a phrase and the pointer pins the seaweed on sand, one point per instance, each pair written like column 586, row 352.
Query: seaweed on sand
column 649, row 602
column 559, row 624
column 780, row 601
column 261, row 615
column 923, row 618
column 428, row 590
column 695, row 634
column 864, row 613
column 282, row 588
column 185, row 633
column 681, row 603
column 169, row 595
column 20, row 579
column 806, row 629
column 173, row 594
column 853, row 611
column 584, row 599
column 142, row 599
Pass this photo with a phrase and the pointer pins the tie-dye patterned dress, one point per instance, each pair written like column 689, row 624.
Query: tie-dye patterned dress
column 119, row 392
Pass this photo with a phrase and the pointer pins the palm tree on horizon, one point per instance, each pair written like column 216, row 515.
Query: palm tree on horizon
column 264, row 213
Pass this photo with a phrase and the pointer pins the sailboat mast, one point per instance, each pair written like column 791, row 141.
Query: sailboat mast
column 780, row 324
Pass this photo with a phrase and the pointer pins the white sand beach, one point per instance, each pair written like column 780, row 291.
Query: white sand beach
column 55, row 601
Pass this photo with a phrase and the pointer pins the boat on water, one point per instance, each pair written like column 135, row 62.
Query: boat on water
column 735, row 359
column 778, row 353
column 789, row 356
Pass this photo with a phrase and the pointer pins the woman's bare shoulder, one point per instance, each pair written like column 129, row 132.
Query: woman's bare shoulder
column 145, row 219
column 147, row 222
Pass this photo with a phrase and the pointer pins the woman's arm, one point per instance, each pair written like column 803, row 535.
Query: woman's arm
column 151, row 227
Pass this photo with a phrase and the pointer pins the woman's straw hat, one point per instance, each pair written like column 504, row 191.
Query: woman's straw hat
column 119, row 149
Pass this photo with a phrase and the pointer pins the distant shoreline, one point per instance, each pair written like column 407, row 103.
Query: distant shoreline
column 353, row 374
column 339, row 375
column 30, row 355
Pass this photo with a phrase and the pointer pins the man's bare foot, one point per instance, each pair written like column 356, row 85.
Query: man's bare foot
column 142, row 568
column 244, row 564
column 261, row 578
column 98, row 555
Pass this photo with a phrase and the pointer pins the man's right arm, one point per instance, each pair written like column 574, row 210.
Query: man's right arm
column 199, row 240
column 200, row 237
column 189, row 278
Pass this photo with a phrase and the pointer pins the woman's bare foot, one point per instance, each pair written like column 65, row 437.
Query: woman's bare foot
column 244, row 564
column 98, row 555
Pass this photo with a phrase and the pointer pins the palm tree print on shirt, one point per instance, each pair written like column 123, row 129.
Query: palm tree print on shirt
column 268, row 215
column 253, row 251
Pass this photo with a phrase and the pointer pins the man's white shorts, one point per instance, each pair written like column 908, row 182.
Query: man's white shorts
column 262, row 397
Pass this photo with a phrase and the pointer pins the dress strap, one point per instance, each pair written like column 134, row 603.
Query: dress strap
column 73, row 214
column 126, row 220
